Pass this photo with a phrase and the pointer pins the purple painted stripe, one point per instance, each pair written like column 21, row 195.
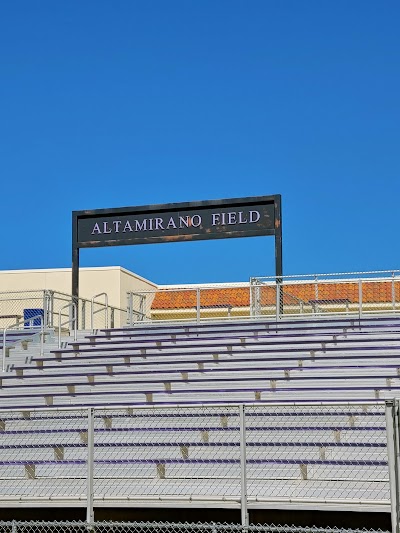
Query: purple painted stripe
column 197, row 461
column 211, row 379
column 207, row 391
column 270, row 322
column 125, row 353
column 200, row 428
column 194, row 445
column 233, row 339
column 119, row 404
column 216, row 370
column 304, row 357
column 204, row 344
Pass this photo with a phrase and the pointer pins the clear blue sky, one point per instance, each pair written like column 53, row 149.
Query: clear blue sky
column 114, row 103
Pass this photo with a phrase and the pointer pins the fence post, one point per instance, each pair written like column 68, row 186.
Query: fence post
column 14, row 526
column 243, row 467
column 48, row 311
column 90, row 467
column 251, row 311
column 392, row 439
column 360, row 298
column 198, row 305
column 129, row 309
column 45, row 308
column 278, row 298
column 83, row 314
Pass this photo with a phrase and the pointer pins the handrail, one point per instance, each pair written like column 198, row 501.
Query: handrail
column 92, row 312
column 130, row 311
column 16, row 325
column 74, row 321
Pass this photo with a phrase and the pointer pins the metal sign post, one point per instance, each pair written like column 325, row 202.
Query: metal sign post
column 213, row 219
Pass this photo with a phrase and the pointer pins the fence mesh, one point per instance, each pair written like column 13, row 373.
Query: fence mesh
column 317, row 453
column 43, row 455
column 165, row 527
column 263, row 297
column 24, row 307
column 17, row 305
column 175, row 453
column 309, row 453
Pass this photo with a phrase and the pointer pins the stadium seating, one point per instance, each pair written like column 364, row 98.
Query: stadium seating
column 295, row 452
column 338, row 359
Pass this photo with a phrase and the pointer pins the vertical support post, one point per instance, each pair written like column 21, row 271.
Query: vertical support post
column 393, row 293
column 360, row 298
column 75, row 261
column 392, row 438
column 278, row 289
column 83, row 314
column 51, row 309
column 90, row 467
column 278, row 255
column 45, row 308
column 251, row 313
column 198, row 305
column 129, row 309
column 48, row 304
column 41, row 336
column 243, row 467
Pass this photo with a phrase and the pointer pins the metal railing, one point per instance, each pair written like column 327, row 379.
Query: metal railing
column 290, row 296
column 164, row 527
column 28, row 325
column 105, row 308
column 241, row 456
column 14, row 306
column 341, row 293
column 72, row 321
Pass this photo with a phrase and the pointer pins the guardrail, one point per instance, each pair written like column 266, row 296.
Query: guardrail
column 72, row 321
column 29, row 329
column 241, row 455
column 290, row 296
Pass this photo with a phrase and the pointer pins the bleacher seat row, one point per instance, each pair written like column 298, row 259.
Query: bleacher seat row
column 149, row 448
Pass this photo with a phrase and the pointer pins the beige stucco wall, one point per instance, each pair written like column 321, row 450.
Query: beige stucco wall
column 115, row 281
column 131, row 282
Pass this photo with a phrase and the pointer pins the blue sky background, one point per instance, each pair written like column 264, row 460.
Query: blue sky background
column 114, row 103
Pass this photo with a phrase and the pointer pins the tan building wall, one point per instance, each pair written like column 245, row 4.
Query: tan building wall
column 15, row 284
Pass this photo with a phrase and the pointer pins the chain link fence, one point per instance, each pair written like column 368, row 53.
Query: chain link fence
column 297, row 296
column 314, row 295
column 22, row 309
column 349, row 293
column 15, row 306
column 164, row 527
column 182, row 454
column 315, row 454
column 43, row 455
column 190, row 304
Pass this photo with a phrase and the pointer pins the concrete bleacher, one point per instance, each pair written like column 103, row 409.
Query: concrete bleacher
column 341, row 359
column 307, row 455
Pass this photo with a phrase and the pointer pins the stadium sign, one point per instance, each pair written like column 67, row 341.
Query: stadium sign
column 215, row 219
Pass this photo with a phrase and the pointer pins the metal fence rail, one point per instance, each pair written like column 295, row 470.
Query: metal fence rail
column 21, row 306
column 351, row 293
column 233, row 455
column 164, row 527
column 297, row 296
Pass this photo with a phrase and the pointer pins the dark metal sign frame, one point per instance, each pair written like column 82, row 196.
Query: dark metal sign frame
column 212, row 219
